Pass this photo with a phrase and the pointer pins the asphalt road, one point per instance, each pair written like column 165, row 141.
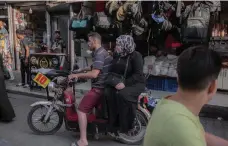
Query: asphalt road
column 18, row 133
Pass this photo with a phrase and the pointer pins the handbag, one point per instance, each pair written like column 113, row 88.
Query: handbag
column 82, row 25
column 113, row 79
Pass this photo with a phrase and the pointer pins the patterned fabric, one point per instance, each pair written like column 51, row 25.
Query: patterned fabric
column 101, row 61
column 125, row 45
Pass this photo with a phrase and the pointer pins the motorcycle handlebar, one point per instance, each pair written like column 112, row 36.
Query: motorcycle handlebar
column 73, row 80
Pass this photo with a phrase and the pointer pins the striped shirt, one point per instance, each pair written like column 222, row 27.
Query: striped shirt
column 101, row 61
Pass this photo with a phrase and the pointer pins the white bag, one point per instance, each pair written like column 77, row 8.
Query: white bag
column 149, row 60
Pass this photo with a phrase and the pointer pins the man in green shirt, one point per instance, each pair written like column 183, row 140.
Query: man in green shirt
column 175, row 120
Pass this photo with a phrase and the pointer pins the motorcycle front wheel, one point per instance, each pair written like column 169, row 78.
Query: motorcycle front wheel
column 37, row 124
column 136, row 135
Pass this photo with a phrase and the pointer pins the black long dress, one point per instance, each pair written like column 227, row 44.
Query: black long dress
column 122, row 104
column 6, row 110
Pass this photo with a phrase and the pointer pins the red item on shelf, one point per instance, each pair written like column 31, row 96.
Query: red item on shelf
column 100, row 6
column 170, row 42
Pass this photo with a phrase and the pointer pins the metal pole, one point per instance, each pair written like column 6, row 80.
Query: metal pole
column 72, row 52
column 55, row 24
column 48, row 24
column 11, row 37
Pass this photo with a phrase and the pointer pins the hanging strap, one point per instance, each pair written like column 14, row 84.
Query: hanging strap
column 126, row 67
column 193, row 8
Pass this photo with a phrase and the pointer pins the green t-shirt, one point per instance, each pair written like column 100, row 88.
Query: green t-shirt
column 172, row 124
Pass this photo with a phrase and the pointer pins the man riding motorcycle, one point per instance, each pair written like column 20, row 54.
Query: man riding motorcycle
column 97, row 72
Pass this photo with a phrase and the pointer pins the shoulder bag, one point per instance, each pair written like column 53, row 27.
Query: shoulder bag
column 81, row 24
column 113, row 79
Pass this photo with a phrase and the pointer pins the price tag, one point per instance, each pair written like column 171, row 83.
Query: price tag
column 41, row 80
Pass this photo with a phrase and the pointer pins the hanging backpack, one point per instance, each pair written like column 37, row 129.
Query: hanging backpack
column 196, row 22
column 140, row 27
column 133, row 9
column 101, row 20
column 112, row 6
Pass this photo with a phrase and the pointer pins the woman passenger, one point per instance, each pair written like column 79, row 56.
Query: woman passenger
column 122, row 96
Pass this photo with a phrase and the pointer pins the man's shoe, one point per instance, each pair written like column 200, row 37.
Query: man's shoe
column 26, row 86
column 11, row 79
column 20, row 84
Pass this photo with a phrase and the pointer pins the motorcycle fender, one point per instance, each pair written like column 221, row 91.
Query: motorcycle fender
column 44, row 103
column 145, row 112
column 47, row 105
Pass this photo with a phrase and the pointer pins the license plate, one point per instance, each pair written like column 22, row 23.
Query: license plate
column 41, row 80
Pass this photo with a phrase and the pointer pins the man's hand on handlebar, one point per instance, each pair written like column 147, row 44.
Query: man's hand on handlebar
column 72, row 76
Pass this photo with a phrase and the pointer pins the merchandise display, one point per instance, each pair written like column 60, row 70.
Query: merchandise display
column 160, row 66
column 219, row 30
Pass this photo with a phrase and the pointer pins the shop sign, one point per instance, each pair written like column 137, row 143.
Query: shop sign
column 41, row 80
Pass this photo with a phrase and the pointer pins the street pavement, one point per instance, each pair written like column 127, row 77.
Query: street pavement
column 18, row 133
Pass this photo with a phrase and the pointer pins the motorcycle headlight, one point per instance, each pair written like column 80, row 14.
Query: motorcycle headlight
column 51, row 86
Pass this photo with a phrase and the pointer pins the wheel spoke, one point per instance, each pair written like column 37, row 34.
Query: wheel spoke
column 138, row 130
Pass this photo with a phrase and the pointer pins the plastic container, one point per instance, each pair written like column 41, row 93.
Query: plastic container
column 156, row 84
column 171, row 85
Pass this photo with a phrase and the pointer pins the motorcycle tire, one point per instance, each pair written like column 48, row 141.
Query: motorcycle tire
column 39, row 132
column 135, row 140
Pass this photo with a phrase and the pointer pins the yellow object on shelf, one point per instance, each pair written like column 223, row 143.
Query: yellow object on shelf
column 2, row 43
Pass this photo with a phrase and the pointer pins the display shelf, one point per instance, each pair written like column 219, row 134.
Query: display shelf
column 222, row 52
column 219, row 38
column 161, row 76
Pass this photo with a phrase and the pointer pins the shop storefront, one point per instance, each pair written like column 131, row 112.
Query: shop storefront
column 161, row 42
column 40, row 26
column 158, row 37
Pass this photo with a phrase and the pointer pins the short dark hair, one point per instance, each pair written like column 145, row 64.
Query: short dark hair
column 57, row 31
column 20, row 31
column 197, row 67
column 95, row 35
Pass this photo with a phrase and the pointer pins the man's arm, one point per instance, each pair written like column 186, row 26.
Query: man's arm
column 214, row 140
column 96, row 68
column 86, row 69
column 89, row 75
column 26, row 51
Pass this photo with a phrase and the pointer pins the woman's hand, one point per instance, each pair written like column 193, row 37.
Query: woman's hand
column 120, row 86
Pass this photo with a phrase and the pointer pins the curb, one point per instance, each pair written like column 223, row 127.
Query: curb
column 26, row 94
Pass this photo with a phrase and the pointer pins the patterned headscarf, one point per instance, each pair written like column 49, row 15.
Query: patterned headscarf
column 125, row 45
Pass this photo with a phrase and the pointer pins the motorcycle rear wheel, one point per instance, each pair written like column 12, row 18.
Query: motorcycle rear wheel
column 141, row 122
column 51, row 131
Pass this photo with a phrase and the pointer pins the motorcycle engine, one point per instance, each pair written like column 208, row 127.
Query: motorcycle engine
column 58, row 85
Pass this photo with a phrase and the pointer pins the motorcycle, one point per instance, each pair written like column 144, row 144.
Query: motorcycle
column 62, row 108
